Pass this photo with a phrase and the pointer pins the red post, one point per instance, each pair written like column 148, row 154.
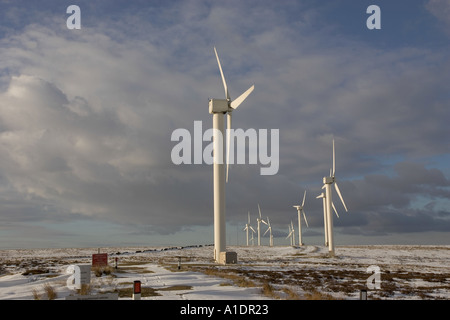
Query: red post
column 137, row 287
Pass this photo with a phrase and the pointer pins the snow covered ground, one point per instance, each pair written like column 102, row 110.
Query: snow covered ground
column 405, row 272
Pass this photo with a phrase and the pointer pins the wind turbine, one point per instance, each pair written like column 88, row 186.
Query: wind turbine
column 300, row 210
column 328, row 181
column 219, row 107
column 270, row 232
column 252, row 239
column 259, row 225
column 291, row 234
column 248, row 227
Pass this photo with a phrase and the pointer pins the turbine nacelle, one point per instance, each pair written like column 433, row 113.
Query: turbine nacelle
column 219, row 106
column 328, row 180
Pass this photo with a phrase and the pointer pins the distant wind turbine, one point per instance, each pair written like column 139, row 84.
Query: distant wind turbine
column 269, row 229
column 248, row 227
column 219, row 107
column 291, row 234
column 252, row 239
column 328, row 181
column 259, row 220
column 300, row 211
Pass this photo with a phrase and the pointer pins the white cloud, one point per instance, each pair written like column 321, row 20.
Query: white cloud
column 441, row 9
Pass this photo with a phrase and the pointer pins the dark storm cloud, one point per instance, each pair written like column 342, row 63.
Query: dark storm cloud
column 86, row 118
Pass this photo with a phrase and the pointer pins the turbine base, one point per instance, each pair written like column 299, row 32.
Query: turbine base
column 228, row 257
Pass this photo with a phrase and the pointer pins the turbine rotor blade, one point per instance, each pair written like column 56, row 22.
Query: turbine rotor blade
column 227, row 95
column 235, row 103
column 304, row 216
column 340, row 195
column 334, row 160
column 259, row 209
column 304, row 195
column 334, row 208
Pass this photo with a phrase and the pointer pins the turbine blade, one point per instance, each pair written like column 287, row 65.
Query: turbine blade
column 249, row 217
column 304, row 195
column 259, row 209
column 334, row 160
column 228, row 141
column 304, row 216
column 251, row 228
column 334, row 208
column 340, row 195
column 227, row 95
column 235, row 103
column 266, row 231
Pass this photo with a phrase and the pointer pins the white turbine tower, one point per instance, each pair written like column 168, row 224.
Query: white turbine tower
column 300, row 211
column 269, row 229
column 219, row 107
column 325, row 224
column 328, row 181
column 325, row 216
column 259, row 220
column 248, row 227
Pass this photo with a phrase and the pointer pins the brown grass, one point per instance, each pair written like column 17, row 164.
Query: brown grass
column 316, row 295
column 49, row 292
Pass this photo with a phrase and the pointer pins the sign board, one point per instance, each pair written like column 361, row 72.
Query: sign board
column 137, row 286
column 100, row 260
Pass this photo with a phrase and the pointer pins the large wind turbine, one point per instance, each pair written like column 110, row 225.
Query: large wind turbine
column 269, row 228
column 300, row 211
column 219, row 107
column 248, row 227
column 259, row 220
column 328, row 181
column 291, row 233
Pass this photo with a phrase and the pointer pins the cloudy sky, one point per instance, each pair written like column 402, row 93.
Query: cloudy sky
column 86, row 118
